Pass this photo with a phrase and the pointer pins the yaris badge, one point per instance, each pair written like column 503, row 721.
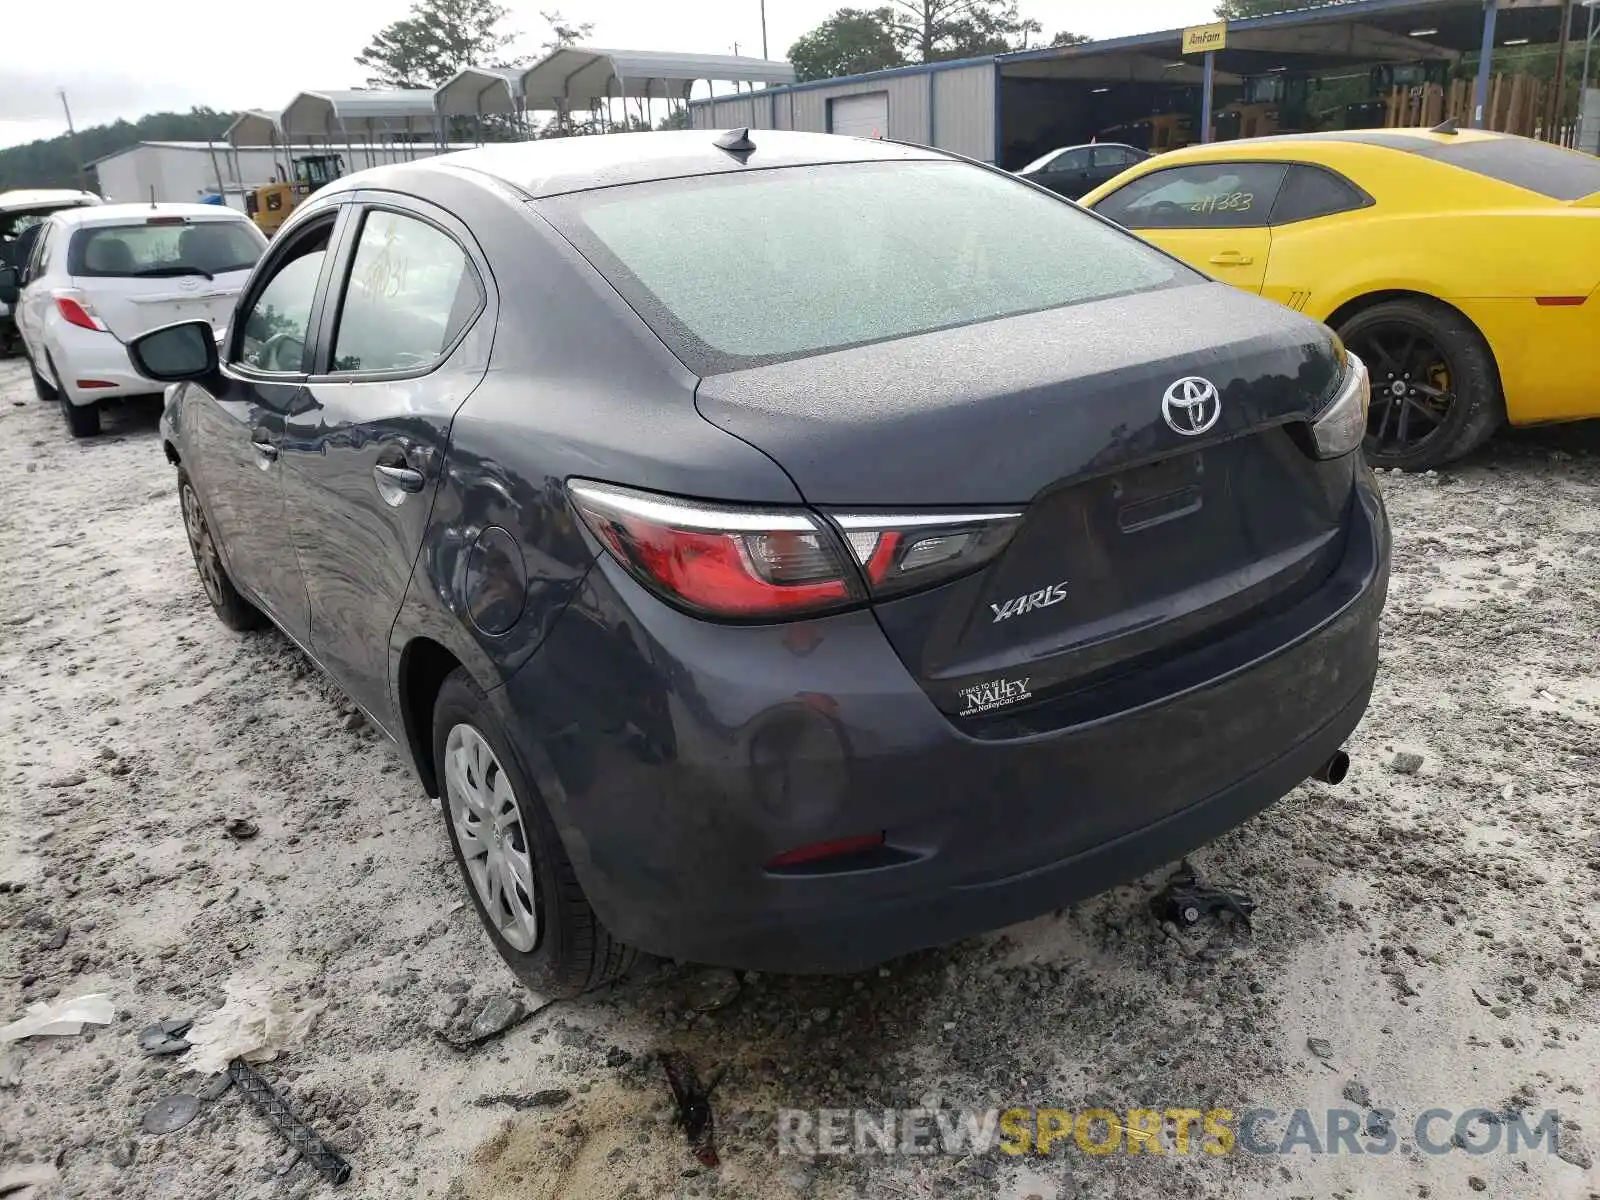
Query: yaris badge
column 1191, row 406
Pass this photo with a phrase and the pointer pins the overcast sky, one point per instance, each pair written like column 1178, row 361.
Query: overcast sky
column 120, row 59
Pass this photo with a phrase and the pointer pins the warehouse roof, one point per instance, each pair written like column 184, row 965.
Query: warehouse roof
column 582, row 76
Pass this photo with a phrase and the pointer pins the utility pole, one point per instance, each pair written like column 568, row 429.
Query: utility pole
column 72, row 135
column 763, row 28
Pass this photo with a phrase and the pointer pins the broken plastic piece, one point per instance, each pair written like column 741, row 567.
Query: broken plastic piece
column 63, row 1019
column 252, row 1025
column 300, row 1136
column 165, row 1037
column 694, row 1105
column 170, row 1113
column 1187, row 898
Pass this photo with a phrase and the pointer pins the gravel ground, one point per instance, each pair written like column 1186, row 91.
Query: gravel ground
column 1424, row 939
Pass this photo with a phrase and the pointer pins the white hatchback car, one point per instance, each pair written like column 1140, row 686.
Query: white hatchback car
column 98, row 277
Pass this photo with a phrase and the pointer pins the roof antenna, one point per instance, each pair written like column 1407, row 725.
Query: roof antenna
column 736, row 141
column 152, row 195
column 1448, row 125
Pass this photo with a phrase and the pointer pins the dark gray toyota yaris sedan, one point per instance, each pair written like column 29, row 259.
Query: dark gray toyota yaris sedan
column 784, row 551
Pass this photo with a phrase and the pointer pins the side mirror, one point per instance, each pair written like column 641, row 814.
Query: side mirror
column 10, row 285
column 175, row 353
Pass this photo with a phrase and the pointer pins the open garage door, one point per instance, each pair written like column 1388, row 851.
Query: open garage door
column 860, row 116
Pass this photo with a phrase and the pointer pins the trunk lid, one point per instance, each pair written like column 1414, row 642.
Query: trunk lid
column 1136, row 538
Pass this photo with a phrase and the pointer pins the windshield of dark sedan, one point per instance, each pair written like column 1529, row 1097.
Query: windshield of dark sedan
column 156, row 248
column 744, row 269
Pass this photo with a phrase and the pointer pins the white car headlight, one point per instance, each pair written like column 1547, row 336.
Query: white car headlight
column 1340, row 427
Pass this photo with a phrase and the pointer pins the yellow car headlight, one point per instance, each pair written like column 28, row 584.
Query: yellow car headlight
column 1340, row 427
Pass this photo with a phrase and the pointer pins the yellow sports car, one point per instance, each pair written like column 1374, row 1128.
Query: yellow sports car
column 1462, row 266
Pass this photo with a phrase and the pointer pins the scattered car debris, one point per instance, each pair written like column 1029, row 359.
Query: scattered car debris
column 546, row 1098
column 165, row 1037
column 1187, row 897
column 217, row 1086
column 1358, row 1094
column 170, row 1113
column 694, row 1105
column 18, row 1183
column 252, row 1025
column 711, row 989
column 11, row 1071
column 499, row 1017
column 62, row 1019
column 1405, row 763
column 1321, row 1047
column 300, row 1136
column 241, row 829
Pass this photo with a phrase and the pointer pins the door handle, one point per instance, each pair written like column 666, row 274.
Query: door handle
column 1231, row 258
column 402, row 479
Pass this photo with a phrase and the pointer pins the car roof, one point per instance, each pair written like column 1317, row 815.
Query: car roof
column 27, row 199
column 123, row 214
column 555, row 166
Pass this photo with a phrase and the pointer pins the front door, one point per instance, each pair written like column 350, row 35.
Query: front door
column 364, row 451
column 236, row 426
column 1214, row 216
column 1067, row 174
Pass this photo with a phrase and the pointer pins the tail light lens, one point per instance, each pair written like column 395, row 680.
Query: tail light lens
column 902, row 552
column 735, row 561
column 1340, row 427
column 75, row 310
column 721, row 560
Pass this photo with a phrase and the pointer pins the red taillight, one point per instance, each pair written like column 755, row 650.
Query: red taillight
column 838, row 848
column 724, row 561
column 75, row 312
column 734, row 561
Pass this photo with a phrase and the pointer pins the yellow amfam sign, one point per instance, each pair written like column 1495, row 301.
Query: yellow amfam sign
column 1201, row 38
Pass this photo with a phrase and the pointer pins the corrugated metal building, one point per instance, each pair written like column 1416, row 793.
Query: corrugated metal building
column 947, row 104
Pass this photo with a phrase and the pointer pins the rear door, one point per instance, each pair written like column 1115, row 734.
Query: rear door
column 32, row 301
column 404, row 339
column 1109, row 162
column 1214, row 216
column 164, row 268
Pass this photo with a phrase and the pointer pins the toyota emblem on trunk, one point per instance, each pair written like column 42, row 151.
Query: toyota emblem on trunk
column 1191, row 406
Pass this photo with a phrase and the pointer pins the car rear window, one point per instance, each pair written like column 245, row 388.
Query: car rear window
column 1536, row 166
column 741, row 270
column 152, row 250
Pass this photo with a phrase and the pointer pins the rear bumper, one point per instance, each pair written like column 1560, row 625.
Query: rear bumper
column 678, row 758
column 93, row 366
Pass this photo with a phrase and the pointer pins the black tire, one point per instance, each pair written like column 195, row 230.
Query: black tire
column 82, row 419
column 41, row 389
column 232, row 609
column 1433, row 378
column 572, row 952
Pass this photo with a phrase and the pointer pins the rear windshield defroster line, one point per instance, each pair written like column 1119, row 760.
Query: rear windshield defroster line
column 736, row 271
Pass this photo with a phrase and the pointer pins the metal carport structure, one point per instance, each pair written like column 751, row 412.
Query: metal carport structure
column 402, row 116
column 479, row 92
column 588, row 77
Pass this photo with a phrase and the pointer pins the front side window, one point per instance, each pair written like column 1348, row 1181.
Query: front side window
column 738, row 270
column 164, row 247
column 277, row 325
column 1199, row 196
column 412, row 289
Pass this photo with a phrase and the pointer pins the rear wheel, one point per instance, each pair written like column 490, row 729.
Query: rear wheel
column 510, row 855
column 82, row 419
column 231, row 608
column 41, row 389
column 1435, row 391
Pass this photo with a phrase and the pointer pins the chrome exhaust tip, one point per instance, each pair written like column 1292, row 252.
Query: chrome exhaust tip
column 1334, row 770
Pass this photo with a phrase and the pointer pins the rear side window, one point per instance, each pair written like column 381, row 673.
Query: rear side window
column 1535, row 166
column 1314, row 192
column 150, row 250
column 412, row 289
column 1114, row 156
column 739, row 270
column 1197, row 196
